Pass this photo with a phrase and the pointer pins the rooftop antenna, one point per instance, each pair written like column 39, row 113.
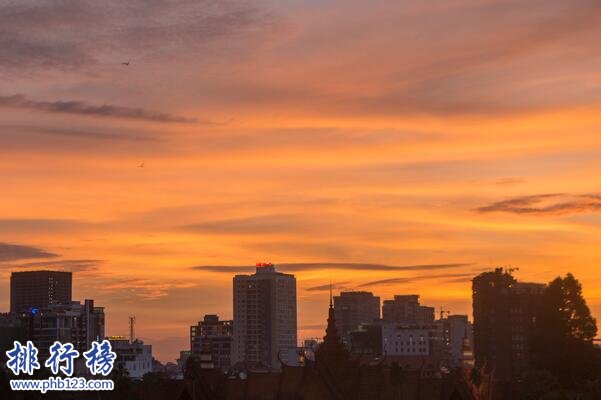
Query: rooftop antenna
column 331, row 305
column 132, row 323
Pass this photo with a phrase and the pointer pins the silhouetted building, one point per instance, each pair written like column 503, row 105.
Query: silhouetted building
column 135, row 357
column 353, row 309
column 184, row 355
column 76, row 323
column 12, row 328
column 39, row 289
column 454, row 332
column 467, row 354
column 367, row 339
column 504, row 312
column 264, row 316
column 215, row 336
column 405, row 309
column 334, row 374
column 309, row 348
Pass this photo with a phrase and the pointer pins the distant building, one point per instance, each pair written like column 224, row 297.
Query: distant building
column 367, row 339
column 39, row 289
column 467, row 355
column 407, row 329
column 405, row 309
column 406, row 340
column 215, row 336
column 335, row 374
column 184, row 355
column 264, row 317
column 135, row 357
column 76, row 323
column 455, row 333
column 353, row 309
column 504, row 311
column 309, row 348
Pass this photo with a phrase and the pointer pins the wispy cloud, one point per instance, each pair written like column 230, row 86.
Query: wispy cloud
column 78, row 133
column 83, row 108
column 411, row 279
column 144, row 289
column 264, row 224
column 334, row 285
column 40, row 35
column 15, row 252
column 8, row 225
column 297, row 267
column 63, row 265
column 226, row 269
column 547, row 204
column 372, row 267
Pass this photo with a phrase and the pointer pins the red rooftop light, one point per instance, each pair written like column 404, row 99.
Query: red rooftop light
column 264, row 264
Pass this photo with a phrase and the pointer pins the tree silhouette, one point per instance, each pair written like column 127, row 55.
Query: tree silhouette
column 124, row 388
column 396, row 378
column 562, row 342
column 535, row 384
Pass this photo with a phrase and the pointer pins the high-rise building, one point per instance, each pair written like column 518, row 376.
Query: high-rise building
column 264, row 317
column 405, row 309
column 215, row 336
column 504, row 314
column 353, row 309
column 39, row 289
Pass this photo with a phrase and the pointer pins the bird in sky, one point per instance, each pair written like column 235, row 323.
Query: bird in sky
column 125, row 63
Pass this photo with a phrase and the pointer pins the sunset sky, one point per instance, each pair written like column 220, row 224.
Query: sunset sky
column 392, row 146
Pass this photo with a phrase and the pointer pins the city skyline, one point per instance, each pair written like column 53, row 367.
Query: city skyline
column 396, row 148
column 402, row 310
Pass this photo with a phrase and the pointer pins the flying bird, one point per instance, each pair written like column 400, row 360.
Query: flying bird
column 125, row 63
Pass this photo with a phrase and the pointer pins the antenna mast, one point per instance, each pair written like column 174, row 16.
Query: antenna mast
column 132, row 323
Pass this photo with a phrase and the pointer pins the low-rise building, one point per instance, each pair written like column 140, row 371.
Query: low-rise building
column 406, row 340
column 367, row 340
column 135, row 357
column 184, row 355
